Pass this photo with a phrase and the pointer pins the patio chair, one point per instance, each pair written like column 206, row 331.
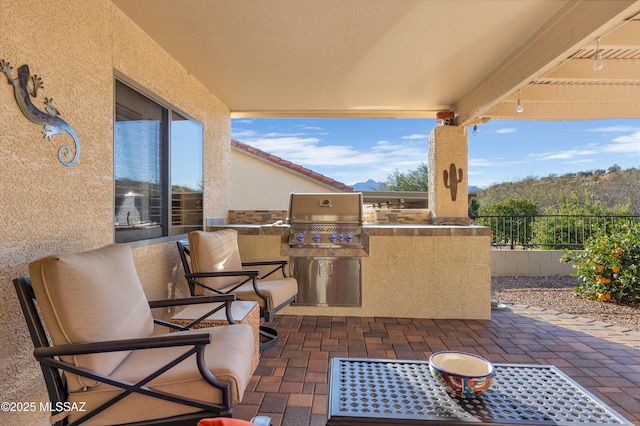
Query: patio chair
column 212, row 265
column 94, row 338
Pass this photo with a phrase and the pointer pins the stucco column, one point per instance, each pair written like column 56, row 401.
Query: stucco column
column 448, row 177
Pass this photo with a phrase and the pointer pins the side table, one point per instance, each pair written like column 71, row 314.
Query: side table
column 242, row 312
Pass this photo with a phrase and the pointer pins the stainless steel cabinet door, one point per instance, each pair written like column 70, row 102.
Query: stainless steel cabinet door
column 327, row 281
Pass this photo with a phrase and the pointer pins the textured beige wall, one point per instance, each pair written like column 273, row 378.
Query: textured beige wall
column 421, row 277
column 258, row 185
column 539, row 263
column 74, row 45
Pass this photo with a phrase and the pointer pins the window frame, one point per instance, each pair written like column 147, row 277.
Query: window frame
column 166, row 177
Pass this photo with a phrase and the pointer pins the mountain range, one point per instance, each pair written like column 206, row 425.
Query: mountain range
column 372, row 185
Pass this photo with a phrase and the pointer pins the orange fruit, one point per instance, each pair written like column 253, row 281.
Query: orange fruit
column 615, row 269
column 601, row 296
column 607, row 296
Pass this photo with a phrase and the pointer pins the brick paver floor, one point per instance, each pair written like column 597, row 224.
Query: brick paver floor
column 290, row 383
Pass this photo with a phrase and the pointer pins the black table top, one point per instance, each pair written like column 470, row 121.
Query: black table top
column 376, row 391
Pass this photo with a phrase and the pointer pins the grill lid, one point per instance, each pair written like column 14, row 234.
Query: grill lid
column 338, row 208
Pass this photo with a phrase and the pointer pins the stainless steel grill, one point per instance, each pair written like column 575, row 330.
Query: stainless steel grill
column 325, row 220
column 325, row 240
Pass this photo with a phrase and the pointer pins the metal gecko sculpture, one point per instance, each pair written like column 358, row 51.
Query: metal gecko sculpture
column 50, row 119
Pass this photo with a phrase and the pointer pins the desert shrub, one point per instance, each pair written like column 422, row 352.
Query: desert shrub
column 574, row 221
column 608, row 267
column 511, row 221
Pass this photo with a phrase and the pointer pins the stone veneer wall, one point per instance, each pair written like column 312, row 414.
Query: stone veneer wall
column 371, row 216
column 45, row 208
column 397, row 216
column 255, row 217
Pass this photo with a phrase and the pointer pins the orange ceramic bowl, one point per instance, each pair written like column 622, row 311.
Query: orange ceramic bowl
column 463, row 374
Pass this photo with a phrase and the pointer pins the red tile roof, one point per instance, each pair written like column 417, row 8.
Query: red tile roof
column 291, row 166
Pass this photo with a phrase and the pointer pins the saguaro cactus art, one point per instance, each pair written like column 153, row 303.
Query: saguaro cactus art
column 451, row 180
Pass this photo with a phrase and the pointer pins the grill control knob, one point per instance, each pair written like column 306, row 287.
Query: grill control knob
column 300, row 236
column 341, row 236
column 349, row 238
column 332, row 237
column 316, row 237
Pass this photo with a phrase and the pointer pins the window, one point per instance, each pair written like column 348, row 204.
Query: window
column 158, row 157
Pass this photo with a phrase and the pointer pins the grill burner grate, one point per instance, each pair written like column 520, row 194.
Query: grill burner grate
column 326, row 229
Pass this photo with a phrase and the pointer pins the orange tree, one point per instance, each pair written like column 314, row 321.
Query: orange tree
column 608, row 267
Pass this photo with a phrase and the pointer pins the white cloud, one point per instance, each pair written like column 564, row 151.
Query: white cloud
column 415, row 136
column 562, row 155
column 625, row 144
column 615, row 129
column 483, row 162
column 580, row 161
column 480, row 162
column 506, row 130
column 341, row 162
column 239, row 134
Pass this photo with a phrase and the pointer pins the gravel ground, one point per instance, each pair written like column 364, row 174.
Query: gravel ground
column 556, row 293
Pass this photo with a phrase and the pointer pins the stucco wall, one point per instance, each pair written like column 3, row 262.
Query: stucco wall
column 258, row 185
column 448, row 145
column 75, row 45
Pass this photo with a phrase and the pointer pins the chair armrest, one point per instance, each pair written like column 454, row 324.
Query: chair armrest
column 266, row 262
column 168, row 340
column 194, row 300
column 227, row 299
column 278, row 264
column 243, row 273
column 251, row 274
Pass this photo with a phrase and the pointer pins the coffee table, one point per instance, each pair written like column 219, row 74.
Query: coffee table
column 376, row 391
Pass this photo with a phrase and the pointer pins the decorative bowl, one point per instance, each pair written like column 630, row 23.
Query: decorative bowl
column 461, row 373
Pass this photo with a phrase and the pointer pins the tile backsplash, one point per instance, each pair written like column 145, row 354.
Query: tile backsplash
column 256, row 216
column 371, row 216
column 397, row 216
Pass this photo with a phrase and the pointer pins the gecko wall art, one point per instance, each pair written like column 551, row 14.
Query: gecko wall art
column 50, row 118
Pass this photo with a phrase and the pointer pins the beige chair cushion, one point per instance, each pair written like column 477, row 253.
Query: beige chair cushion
column 278, row 290
column 229, row 358
column 215, row 252
column 91, row 296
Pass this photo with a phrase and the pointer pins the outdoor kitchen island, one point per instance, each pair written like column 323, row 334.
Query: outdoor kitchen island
column 412, row 271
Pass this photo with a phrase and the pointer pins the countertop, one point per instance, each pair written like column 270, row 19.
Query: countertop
column 373, row 230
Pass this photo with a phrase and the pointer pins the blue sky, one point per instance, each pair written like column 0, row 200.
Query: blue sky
column 355, row 150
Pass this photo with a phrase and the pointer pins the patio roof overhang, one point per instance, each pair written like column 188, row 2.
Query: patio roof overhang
column 405, row 58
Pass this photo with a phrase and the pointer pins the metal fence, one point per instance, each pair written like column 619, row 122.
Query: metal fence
column 547, row 231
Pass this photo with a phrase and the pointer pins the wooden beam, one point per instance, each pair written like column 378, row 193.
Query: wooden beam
column 336, row 114
column 586, row 93
column 582, row 69
column 565, row 111
column 568, row 30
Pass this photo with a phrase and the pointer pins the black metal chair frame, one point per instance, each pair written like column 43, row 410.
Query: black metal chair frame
column 48, row 357
column 269, row 335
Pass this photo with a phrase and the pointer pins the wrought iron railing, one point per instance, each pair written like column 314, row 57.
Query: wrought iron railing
column 546, row 231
